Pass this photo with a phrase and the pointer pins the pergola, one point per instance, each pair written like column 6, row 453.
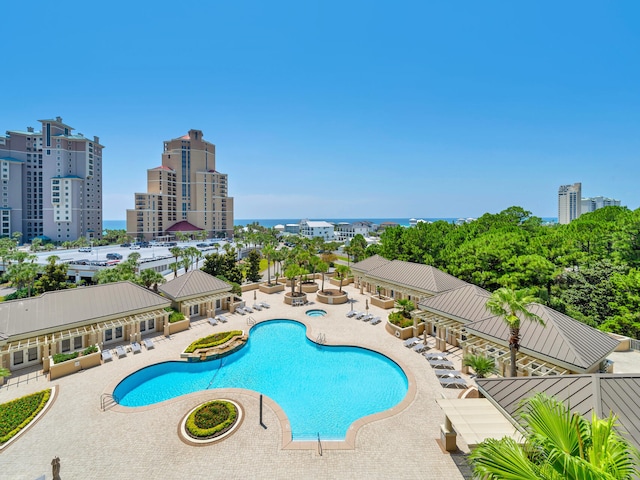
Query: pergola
column 386, row 286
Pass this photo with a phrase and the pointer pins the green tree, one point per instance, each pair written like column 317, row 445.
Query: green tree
column 559, row 445
column 511, row 305
column 54, row 276
column 291, row 273
column 322, row 267
column 268, row 251
column 482, row 365
column 150, row 278
column 176, row 252
column 342, row 272
column 253, row 271
column 406, row 306
column 357, row 247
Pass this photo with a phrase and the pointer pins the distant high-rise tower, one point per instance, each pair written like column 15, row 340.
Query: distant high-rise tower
column 51, row 183
column 569, row 202
column 592, row 204
column 185, row 194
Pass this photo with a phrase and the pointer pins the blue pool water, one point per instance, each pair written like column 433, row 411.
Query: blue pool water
column 321, row 389
column 315, row 313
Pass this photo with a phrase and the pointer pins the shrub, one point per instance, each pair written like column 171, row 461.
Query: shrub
column 63, row 357
column 90, row 349
column 176, row 317
column 211, row 418
column 399, row 320
column 16, row 414
column 212, row 340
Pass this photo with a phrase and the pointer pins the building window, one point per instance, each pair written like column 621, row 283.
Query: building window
column 118, row 332
column 77, row 343
column 18, row 357
column 66, row 345
column 32, row 354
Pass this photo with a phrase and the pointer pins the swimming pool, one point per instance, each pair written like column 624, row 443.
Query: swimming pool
column 322, row 389
column 316, row 312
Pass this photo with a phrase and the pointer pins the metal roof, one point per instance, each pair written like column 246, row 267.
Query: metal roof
column 562, row 338
column 416, row 276
column 193, row 283
column 53, row 310
column 584, row 394
column 369, row 264
column 467, row 303
column 11, row 159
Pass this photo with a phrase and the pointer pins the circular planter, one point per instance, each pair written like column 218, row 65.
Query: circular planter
column 273, row 288
column 332, row 296
column 186, row 438
column 310, row 287
column 288, row 299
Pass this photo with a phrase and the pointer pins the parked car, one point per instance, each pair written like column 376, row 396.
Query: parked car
column 114, row 256
column 202, row 245
column 84, row 249
column 125, row 245
column 134, row 247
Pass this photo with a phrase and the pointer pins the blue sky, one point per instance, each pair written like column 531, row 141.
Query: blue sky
column 325, row 109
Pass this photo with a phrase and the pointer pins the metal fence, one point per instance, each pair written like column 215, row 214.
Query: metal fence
column 634, row 344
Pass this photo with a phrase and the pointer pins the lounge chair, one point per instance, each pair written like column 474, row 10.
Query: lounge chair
column 410, row 342
column 148, row 343
column 257, row 306
column 360, row 315
column 441, row 364
column 265, row 304
column 248, row 309
column 444, row 373
column 351, row 313
column 240, row 310
column 375, row 320
column 121, row 351
column 453, row 383
column 135, row 347
column 420, row 347
column 435, row 356
column 222, row 318
column 106, row 355
column 213, row 321
column 367, row 317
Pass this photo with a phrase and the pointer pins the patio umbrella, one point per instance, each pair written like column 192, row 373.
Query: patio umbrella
column 425, row 335
column 351, row 302
column 254, row 295
column 366, row 302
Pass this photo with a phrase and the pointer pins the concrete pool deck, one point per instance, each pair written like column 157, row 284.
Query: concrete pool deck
column 144, row 442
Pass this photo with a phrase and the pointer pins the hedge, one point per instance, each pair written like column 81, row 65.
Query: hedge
column 399, row 320
column 212, row 340
column 199, row 432
column 16, row 414
column 63, row 357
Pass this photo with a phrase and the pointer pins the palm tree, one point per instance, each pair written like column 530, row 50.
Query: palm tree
column 559, row 445
column 322, row 268
column 511, row 305
column 342, row 271
column 406, row 306
column 268, row 250
column 292, row 272
column 150, row 277
column 176, row 252
column 483, row 366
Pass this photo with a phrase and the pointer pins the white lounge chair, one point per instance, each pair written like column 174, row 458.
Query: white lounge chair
column 453, row 383
column 265, row 305
column 441, row 364
column 121, row 351
column 148, row 343
column 213, row 321
column 420, row 347
column 410, row 342
column 240, row 310
column 360, row 315
column 106, row 355
column 257, row 306
column 443, row 373
column 135, row 347
column 375, row 320
column 248, row 309
column 222, row 318
column 351, row 313
column 435, row 356
column 367, row 317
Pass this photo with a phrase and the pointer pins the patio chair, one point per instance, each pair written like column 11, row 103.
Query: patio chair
column 213, row 321
column 435, row 356
column 106, row 355
column 121, row 351
column 360, row 315
column 375, row 320
column 265, row 304
column 453, row 383
column 444, row 373
column 222, row 318
column 248, row 309
column 410, row 342
column 350, row 313
column 135, row 347
column 441, row 364
column 148, row 343
column 367, row 317
column 257, row 306
column 240, row 310
column 420, row 347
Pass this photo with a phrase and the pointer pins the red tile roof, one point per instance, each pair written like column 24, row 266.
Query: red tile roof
column 183, row 226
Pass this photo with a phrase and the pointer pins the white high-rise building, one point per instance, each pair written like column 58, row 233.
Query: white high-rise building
column 569, row 202
column 591, row 204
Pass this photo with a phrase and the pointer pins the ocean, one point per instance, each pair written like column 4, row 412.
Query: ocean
column 272, row 222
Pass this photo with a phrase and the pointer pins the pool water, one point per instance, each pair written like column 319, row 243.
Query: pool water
column 322, row 389
column 316, row 313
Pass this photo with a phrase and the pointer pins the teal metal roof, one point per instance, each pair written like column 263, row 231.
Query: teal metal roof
column 11, row 159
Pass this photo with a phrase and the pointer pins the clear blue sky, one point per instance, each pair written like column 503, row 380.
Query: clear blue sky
column 329, row 108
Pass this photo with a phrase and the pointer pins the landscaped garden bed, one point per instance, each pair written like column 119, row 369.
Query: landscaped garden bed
column 214, row 346
column 332, row 296
column 17, row 414
column 62, row 364
column 211, row 422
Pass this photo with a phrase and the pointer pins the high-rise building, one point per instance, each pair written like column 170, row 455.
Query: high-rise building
column 569, row 202
column 184, row 194
column 51, row 183
column 591, row 204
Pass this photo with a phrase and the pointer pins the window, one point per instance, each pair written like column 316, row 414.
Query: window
column 108, row 334
column 32, row 354
column 152, row 324
column 77, row 343
column 66, row 345
column 143, row 326
column 18, row 357
column 118, row 332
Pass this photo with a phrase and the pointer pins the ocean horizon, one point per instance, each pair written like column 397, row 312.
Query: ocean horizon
column 272, row 222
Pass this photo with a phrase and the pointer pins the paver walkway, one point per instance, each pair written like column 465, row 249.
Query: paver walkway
column 144, row 444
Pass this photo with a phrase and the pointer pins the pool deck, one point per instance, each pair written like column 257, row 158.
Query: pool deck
column 144, row 443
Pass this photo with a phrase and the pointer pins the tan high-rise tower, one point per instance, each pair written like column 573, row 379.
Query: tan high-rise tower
column 569, row 202
column 184, row 194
